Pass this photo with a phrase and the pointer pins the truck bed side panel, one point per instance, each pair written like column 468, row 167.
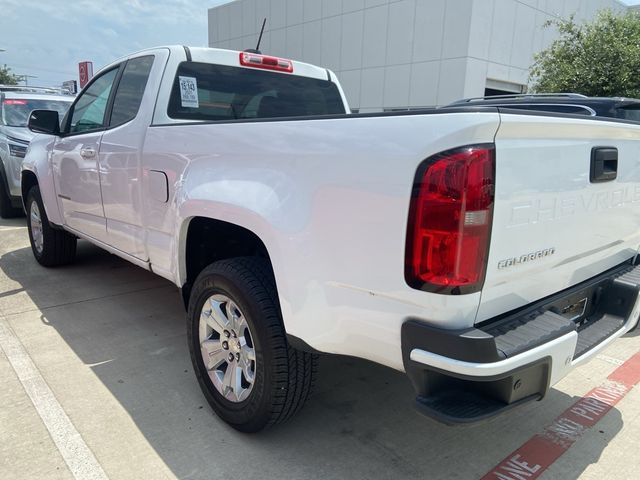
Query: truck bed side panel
column 330, row 200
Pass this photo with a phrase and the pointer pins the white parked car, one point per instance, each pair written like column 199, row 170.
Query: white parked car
column 483, row 253
column 16, row 103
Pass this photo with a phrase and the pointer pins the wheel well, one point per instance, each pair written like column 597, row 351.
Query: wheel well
column 27, row 181
column 211, row 240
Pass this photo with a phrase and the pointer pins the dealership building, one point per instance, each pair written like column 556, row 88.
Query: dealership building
column 399, row 54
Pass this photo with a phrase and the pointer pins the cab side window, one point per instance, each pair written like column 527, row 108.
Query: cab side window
column 89, row 111
column 130, row 90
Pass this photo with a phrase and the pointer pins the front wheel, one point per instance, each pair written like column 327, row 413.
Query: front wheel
column 7, row 210
column 249, row 374
column 51, row 247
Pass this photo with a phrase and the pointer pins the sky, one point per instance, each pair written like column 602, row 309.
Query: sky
column 47, row 38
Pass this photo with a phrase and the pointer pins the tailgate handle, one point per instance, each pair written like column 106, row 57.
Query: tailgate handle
column 604, row 164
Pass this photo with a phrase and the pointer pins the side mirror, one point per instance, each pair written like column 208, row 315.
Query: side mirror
column 44, row 121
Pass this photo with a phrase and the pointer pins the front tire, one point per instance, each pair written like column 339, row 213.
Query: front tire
column 7, row 210
column 51, row 247
column 253, row 378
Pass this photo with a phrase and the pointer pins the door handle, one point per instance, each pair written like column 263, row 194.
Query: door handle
column 604, row 164
column 87, row 152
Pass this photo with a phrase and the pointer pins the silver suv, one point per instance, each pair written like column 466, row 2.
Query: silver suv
column 16, row 103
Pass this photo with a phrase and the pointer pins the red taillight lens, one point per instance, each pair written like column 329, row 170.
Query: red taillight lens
column 263, row 61
column 15, row 102
column 450, row 221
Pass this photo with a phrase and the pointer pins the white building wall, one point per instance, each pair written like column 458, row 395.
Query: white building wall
column 505, row 35
column 403, row 53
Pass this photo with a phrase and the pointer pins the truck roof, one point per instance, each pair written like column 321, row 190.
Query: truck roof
column 231, row 58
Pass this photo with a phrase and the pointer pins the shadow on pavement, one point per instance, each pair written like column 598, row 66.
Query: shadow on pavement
column 130, row 327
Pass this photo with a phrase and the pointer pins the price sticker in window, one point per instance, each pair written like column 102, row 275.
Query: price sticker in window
column 188, row 92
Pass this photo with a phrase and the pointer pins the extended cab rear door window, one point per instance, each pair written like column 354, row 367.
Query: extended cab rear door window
column 130, row 90
column 221, row 92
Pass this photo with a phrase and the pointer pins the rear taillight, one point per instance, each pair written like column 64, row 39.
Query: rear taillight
column 450, row 221
column 15, row 102
column 263, row 61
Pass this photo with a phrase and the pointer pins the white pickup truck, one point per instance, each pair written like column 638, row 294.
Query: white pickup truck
column 484, row 252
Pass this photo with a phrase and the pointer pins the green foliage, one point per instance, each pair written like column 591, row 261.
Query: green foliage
column 601, row 58
column 6, row 77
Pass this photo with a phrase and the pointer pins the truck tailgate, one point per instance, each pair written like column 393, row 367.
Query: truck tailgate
column 554, row 224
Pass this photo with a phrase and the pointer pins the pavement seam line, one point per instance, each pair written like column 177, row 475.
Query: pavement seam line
column 9, row 229
column 79, row 458
column 43, row 309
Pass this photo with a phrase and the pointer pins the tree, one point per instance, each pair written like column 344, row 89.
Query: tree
column 6, row 77
column 601, row 58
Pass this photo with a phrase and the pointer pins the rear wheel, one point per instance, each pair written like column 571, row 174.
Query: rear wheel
column 51, row 247
column 249, row 374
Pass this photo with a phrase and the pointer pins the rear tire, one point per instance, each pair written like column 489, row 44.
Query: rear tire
column 51, row 247
column 281, row 377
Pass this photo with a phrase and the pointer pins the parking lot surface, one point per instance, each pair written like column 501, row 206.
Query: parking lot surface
column 97, row 383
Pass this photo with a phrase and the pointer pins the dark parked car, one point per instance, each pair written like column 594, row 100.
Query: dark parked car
column 611, row 107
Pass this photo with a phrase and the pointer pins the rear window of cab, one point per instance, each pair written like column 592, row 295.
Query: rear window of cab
column 204, row 91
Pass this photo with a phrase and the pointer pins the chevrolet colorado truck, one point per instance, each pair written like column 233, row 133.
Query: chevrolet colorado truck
column 483, row 251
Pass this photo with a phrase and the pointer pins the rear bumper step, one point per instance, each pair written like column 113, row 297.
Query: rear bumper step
column 596, row 332
column 454, row 407
column 470, row 375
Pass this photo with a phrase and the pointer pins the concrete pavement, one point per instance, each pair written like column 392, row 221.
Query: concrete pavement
column 106, row 340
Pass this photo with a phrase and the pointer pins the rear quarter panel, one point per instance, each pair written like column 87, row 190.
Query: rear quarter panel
column 330, row 199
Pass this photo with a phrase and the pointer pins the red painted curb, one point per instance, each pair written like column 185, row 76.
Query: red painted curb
column 543, row 449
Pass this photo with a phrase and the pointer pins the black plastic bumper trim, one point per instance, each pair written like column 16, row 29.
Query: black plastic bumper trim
column 608, row 298
column 508, row 335
column 455, row 399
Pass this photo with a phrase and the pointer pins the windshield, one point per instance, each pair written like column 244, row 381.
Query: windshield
column 15, row 111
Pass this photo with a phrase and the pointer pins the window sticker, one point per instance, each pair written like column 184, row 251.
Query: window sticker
column 188, row 92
